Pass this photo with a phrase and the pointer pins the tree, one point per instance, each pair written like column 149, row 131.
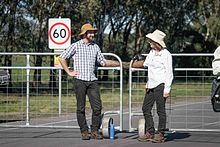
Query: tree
column 8, row 28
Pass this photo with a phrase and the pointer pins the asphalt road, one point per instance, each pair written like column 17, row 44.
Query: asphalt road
column 34, row 137
column 197, row 115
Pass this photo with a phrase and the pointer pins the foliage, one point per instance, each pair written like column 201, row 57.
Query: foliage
column 191, row 26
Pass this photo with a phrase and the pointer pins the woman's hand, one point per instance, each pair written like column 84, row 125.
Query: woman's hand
column 166, row 95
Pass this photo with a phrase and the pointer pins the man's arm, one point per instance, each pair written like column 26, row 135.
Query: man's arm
column 111, row 63
column 138, row 61
column 138, row 64
column 64, row 64
column 125, row 65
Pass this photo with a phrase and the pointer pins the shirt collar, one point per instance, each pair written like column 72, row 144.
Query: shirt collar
column 158, row 53
column 90, row 43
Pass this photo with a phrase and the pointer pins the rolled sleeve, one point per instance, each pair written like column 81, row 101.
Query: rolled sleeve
column 101, row 59
column 168, row 74
column 69, row 52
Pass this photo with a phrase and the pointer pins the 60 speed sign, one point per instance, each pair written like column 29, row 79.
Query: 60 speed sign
column 59, row 31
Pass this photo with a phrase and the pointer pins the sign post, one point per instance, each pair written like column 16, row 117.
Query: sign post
column 59, row 35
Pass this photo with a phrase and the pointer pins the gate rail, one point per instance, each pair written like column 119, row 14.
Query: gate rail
column 28, row 67
column 185, row 112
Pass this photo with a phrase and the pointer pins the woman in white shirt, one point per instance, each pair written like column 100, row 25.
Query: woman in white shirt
column 216, row 62
column 160, row 76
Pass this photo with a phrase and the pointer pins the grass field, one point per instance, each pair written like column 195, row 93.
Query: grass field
column 13, row 105
column 44, row 101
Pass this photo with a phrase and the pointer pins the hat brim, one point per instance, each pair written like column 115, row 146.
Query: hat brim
column 217, row 53
column 90, row 29
column 152, row 37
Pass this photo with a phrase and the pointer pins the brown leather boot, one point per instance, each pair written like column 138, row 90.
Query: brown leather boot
column 85, row 135
column 147, row 137
column 96, row 135
column 159, row 138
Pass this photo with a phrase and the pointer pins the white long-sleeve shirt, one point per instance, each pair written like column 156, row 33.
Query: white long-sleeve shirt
column 160, row 69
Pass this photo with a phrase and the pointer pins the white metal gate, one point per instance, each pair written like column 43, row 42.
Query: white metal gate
column 32, row 104
column 189, row 107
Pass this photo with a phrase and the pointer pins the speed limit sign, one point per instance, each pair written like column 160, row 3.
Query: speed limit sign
column 59, row 31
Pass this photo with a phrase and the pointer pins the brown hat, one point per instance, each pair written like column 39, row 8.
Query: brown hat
column 158, row 37
column 87, row 27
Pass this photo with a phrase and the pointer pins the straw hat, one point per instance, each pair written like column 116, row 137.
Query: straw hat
column 158, row 37
column 87, row 27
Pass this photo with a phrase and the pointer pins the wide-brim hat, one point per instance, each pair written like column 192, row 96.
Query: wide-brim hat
column 217, row 53
column 158, row 37
column 87, row 27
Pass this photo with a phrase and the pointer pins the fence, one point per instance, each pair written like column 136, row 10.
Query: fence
column 189, row 107
column 35, row 104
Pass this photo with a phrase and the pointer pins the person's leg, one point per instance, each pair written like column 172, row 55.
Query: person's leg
column 146, row 108
column 161, row 111
column 96, row 105
column 80, row 91
column 149, row 123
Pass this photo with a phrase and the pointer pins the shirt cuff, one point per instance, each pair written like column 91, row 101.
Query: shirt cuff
column 103, row 63
column 167, row 90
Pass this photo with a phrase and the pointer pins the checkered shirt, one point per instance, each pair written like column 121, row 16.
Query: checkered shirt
column 86, row 58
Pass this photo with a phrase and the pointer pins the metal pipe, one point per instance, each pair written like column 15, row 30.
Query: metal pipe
column 60, row 91
column 27, row 91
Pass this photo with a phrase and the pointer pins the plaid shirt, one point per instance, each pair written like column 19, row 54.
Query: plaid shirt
column 86, row 57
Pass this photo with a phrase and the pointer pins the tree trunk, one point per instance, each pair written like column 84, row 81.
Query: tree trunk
column 10, row 37
column 37, row 73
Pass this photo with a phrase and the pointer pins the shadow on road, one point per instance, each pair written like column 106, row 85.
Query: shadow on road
column 177, row 136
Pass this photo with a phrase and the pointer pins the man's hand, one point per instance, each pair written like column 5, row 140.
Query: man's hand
column 73, row 73
column 64, row 64
column 139, row 57
column 138, row 61
column 138, row 64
